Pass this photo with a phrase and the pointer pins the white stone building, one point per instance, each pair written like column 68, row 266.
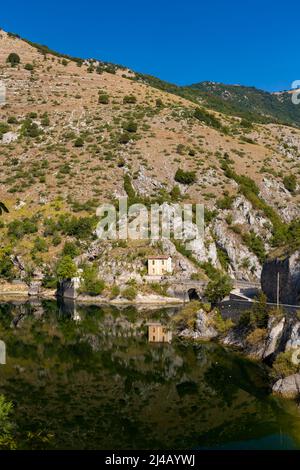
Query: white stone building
column 159, row 265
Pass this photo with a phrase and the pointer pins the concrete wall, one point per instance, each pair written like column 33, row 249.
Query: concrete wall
column 288, row 269
column 68, row 288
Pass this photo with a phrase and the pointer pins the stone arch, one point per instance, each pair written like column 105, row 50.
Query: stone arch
column 193, row 294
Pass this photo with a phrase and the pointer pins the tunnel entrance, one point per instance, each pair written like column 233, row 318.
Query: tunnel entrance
column 193, row 294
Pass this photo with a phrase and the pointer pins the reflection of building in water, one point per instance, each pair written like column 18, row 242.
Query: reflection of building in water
column 2, row 352
column 158, row 333
column 76, row 316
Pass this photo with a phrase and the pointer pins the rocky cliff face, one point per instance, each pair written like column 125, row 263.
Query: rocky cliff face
column 286, row 272
column 281, row 334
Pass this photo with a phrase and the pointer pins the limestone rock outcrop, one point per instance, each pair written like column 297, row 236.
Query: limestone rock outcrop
column 288, row 387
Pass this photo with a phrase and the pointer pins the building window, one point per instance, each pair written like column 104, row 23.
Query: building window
column 153, row 337
column 153, row 262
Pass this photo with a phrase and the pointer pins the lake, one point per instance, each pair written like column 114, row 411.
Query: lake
column 85, row 377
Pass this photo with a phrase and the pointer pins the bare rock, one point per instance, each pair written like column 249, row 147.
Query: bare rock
column 289, row 387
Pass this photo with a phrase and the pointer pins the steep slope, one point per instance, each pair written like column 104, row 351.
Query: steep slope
column 235, row 100
column 73, row 132
column 249, row 102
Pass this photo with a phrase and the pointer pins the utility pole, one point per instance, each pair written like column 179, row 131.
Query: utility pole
column 278, row 279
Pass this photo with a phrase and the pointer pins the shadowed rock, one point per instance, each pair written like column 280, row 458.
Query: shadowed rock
column 287, row 271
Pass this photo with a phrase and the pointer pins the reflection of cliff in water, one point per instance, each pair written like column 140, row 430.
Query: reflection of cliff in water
column 97, row 383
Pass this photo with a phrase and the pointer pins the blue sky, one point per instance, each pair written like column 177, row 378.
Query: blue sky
column 245, row 42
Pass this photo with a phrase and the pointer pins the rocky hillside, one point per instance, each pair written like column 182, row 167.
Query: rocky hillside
column 249, row 102
column 76, row 133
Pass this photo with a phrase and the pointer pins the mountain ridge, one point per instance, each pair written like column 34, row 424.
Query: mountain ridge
column 211, row 93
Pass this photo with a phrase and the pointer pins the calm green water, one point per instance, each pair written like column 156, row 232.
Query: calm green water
column 94, row 382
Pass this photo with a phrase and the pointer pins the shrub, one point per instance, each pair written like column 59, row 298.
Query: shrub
column 159, row 289
column 91, row 283
column 6, row 265
column 185, row 177
column 30, row 129
column 3, row 128
column 28, row 67
column 7, row 427
column 40, row 244
column 70, row 249
column 103, row 98
column 45, row 121
column 49, row 280
column 129, row 99
column 290, row 183
column 19, row 228
column 115, row 291
column 180, row 149
column 124, row 138
column 130, row 126
column 222, row 325
column 175, row 193
column 258, row 316
column 79, row 142
column 256, row 336
column 246, row 124
column 208, row 118
column 225, row 202
column 283, row 365
column 81, row 228
column 13, row 59
column 12, row 120
column 129, row 293
column 56, row 240
column 256, row 245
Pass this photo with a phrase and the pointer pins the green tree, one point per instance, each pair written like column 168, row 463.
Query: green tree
column 66, row 268
column 91, row 283
column 218, row 288
column 185, row 177
column 6, row 265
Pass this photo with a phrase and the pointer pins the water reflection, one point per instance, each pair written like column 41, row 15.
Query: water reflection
column 87, row 376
